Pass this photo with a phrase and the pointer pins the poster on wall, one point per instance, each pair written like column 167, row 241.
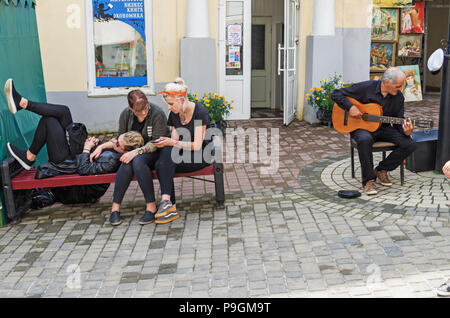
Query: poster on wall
column 234, row 60
column 381, row 56
column 234, row 34
column 393, row 3
column 412, row 19
column 384, row 24
column 412, row 90
column 410, row 45
column 120, row 43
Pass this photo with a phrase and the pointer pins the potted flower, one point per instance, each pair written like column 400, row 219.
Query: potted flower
column 218, row 107
column 320, row 97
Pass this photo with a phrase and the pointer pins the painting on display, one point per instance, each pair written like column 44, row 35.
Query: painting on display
column 411, row 90
column 381, row 56
column 376, row 76
column 384, row 24
column 410, row 45
column 413, row 19
column 393, row 3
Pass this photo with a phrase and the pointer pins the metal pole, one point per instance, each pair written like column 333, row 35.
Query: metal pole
column 443, row 142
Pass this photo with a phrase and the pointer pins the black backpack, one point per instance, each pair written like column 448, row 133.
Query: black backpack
column 76, row 134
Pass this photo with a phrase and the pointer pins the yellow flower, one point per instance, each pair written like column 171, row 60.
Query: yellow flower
column 307, row 98
column 311, row 89
column 340, row 75
column 196, row 99
column 307, row 95
column 325, row 80
column 223, row 106
column 195, row 95
column 232, row 101
column 232, row 107
column 207, row 105
column 318, row 98
column 206, row 95
column 226, row 102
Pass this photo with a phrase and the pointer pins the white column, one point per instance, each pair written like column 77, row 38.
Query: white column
column 197, row 19
column 323, row 17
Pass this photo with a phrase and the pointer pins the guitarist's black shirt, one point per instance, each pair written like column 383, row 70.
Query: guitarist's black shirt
column 370, row 92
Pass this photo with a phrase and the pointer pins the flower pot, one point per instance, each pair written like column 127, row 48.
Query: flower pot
column 220, row 124
column 324, row 115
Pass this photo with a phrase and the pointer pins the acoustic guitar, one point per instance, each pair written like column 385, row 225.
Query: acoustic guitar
column 371, row 119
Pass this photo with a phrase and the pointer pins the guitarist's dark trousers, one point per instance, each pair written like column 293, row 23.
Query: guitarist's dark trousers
column 365, row 139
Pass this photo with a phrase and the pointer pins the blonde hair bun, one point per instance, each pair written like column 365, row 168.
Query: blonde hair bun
column 179, row 81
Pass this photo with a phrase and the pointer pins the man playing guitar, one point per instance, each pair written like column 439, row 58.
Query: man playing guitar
column 387, row 93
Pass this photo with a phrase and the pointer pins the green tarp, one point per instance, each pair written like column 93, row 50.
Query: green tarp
column 20, row 59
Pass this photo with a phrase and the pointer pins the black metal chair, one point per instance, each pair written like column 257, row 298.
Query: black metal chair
column 377, row 147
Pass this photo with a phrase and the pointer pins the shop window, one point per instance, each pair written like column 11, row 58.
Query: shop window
column 119, row 46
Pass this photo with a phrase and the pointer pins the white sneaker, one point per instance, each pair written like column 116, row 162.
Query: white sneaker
column 12, row 97
column 444, row 289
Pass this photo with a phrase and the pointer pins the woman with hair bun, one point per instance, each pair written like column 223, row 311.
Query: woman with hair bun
column 188, row 122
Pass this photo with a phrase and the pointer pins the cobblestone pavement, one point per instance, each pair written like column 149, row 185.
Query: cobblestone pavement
column 280, row 235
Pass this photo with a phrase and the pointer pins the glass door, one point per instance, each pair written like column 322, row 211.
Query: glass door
column 290, row 50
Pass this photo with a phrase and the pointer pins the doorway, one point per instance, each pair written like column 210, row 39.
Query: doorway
column 275, row 62
column 266, row 83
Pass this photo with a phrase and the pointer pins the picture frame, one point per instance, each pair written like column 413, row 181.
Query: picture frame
column 412, row 20
column 375, row 76
column 410, row 45
column 393, row 3
column 412, row 90
column 384, row 24
column 382, row 56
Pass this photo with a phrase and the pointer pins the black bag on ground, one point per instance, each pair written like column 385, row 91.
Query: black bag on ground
column 89, row 193
column 41, row 197
column 76, row 134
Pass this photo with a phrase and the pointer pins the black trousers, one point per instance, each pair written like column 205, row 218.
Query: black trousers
column 182, row 167
column 51, row 130
column 142, row 167
column 365, row 140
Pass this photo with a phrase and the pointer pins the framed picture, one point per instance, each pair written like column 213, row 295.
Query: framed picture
column 410, row 45
column 412, row 90
column 393, row 3
column 412, row 19
column 376, row 76
column 384, row 24
column 381, row 56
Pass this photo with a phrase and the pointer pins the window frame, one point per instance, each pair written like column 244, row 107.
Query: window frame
column 95, row 91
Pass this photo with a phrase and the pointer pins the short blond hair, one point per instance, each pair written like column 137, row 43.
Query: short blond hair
column 132, row 140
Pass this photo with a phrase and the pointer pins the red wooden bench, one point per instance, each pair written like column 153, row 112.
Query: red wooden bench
column 14, row 178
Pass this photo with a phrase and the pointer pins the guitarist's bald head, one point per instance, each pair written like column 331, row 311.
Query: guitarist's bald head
column 393, row 75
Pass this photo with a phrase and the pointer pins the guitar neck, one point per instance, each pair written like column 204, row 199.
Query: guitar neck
column 387, row 119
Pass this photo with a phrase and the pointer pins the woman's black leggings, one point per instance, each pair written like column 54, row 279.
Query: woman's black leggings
column 180, row 168
column 51, row 130
column 141, row 167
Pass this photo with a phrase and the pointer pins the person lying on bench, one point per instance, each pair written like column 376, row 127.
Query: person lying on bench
column 187, row 120
column 51, row 131
column 150, row 120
